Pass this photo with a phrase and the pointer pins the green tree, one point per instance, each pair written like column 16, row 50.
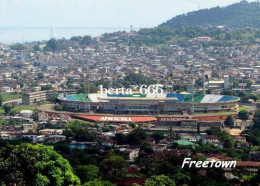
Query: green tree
column 229, row 121
column 136, row 136
column 79, row 132
column 86, row 40
column 1, row 100
column 7, row 108
column 113, row 168
column 88, row 88
column 157, row 136
column 256, row 119
column 17, row 46
column 87, row 172
column 97, row 182
column 46, row 87
column 40, row 75
column 28, row 164
column 53, row 98
column 55, row 45
column 161, row 180
column 146, row 147
column 36, row 47
column 243, row 114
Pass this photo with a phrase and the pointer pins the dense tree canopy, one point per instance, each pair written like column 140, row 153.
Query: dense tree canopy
column 113, row 168
column 256, row 119
column 243, row 114
column 229, row 121
column 28, row 164
column 241, row 14
column 87, row 172
column 160, row 180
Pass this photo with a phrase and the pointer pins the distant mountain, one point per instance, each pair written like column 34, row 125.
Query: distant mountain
column 241, row 14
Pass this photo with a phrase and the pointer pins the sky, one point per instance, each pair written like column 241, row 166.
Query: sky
column 97, row 13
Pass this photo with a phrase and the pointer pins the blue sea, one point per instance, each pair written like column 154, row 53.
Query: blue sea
column 29, row 34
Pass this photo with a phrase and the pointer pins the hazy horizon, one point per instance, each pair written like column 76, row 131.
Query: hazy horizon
column 31, row 20
column 102, row 13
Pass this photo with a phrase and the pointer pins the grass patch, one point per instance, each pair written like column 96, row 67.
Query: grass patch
column 2, row 110
column 19, row 108
column 243, row 108
column 79, row 122
column 214, row 113
column 8, row 97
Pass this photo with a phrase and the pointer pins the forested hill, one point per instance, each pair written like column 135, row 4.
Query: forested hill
column 241, row 14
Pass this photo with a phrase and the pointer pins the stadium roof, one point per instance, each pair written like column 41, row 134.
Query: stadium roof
column 179, row 97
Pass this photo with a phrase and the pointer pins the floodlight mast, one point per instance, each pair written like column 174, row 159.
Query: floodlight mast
column 204, row 91
column 192, row 96
column 87, row 92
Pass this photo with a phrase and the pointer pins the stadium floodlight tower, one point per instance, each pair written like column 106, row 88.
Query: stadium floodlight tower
column 203, row 74
column 192, row 94
column 87, row 92
column 226, row 81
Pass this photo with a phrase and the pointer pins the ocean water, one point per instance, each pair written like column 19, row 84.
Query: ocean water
column 29, row 34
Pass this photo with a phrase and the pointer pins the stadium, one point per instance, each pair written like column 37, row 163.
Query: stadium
column 148, row 104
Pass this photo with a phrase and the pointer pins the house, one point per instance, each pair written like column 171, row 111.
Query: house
column 51, row 131
column 203, row 39
column 213, row 140
column 4, row 136
column 108, row 142
column 19, row 135
column 210, row 139
column 28, row 127
column 26, row 113
column 251, row 166
column 41, row 138
column 55, row 138
column 159, row 147
column 133, row 154
column 191, row 138
column 240, row 139
column 254, row 155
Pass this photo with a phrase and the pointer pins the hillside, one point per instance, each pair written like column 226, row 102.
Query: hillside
column 241, row 14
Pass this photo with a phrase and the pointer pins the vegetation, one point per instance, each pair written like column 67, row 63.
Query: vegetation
column 19, row 108
column 27, row 164
column 62, row 44
column 243, row 114
column 8, row 97
column 160, row 180
column 113, row 168
column 241, row 14
column 256, row 119
column 79, row 131
column 97, row 182
column 87, row 172
column 40, row 75
column 134, row 138
column 137, row 79
column 229, row 121
column 17, row 47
